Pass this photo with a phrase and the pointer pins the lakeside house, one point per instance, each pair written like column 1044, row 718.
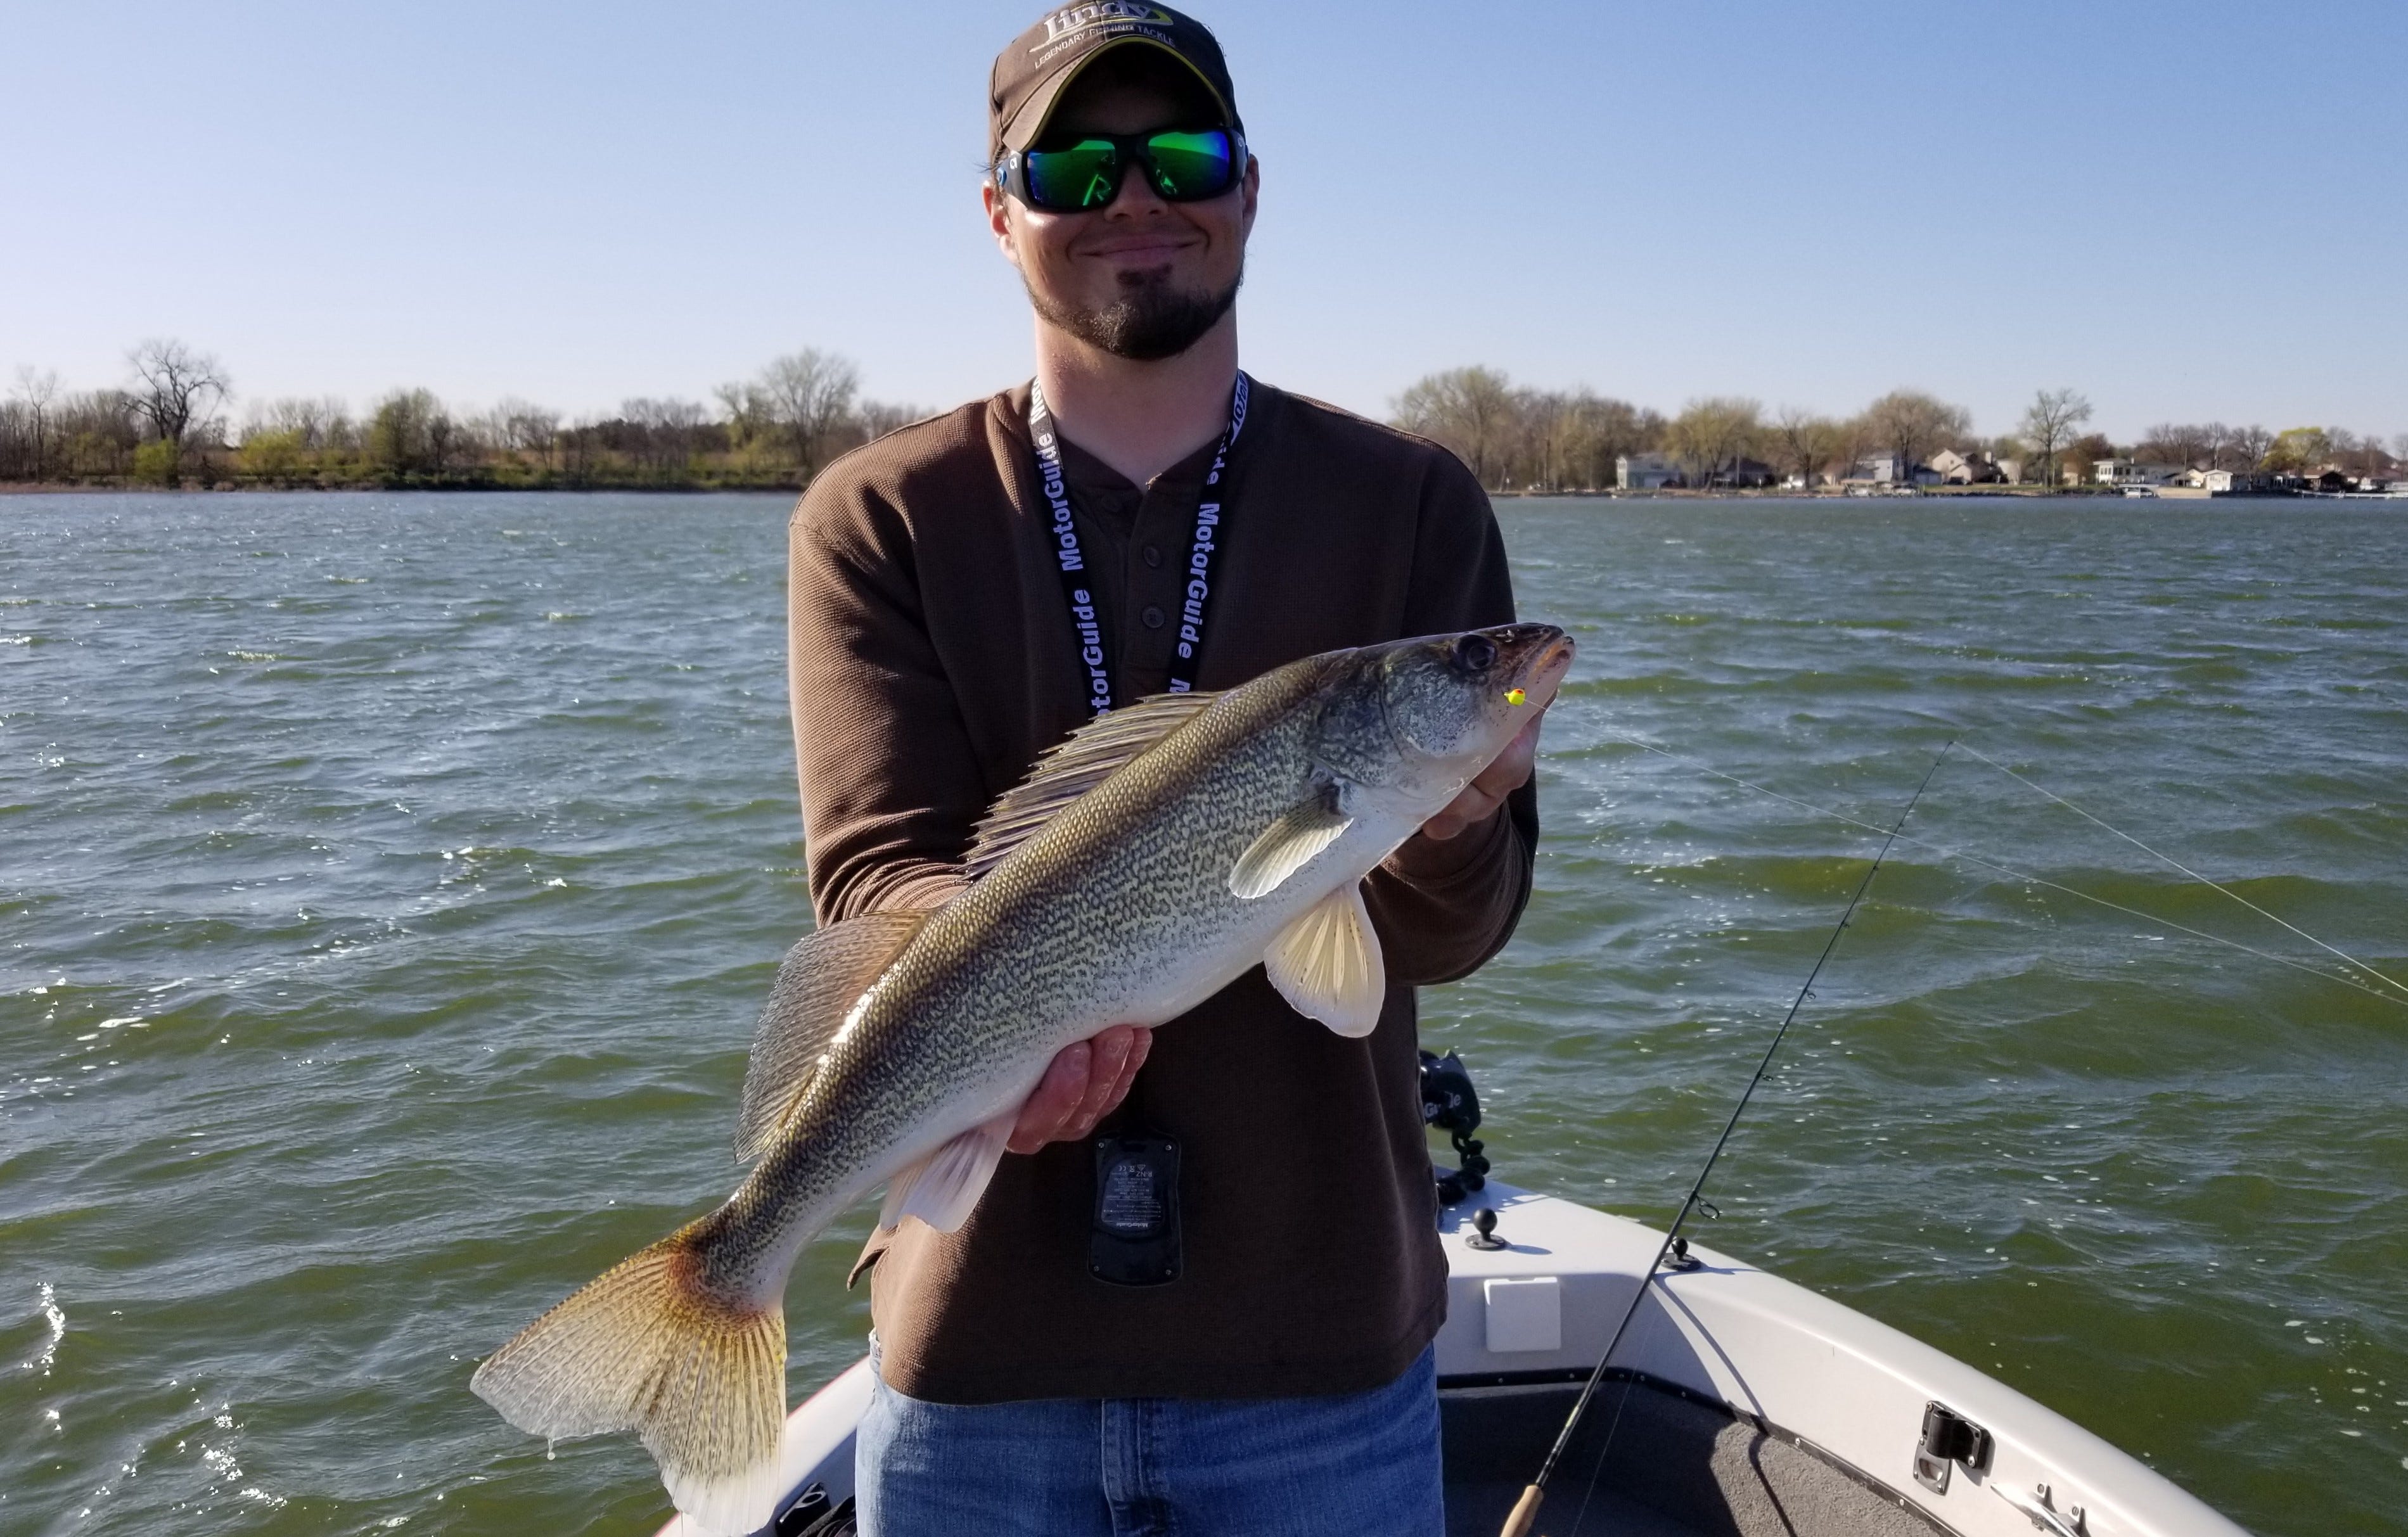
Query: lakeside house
column 1978, row 468
column 1888, row 469
column 2123, row 473
column 2234, row 482
column 1646, row 472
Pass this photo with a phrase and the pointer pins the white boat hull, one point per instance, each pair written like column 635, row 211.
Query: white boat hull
column 1754, row 1405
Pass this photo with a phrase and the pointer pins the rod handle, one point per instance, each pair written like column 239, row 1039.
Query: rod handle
column 1525, row 1513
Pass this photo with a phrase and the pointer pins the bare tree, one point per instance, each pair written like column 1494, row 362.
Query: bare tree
column 175, row 386
column 2049, row 423
column 2170, row 443
column 2251, row 445
column 1914, row 425
column 808, row 397
column 1710, row 436
column 1807, row 442
column 520, row 426
column 1602, row 430
column 1471, row 411
column 878, row 418
column 37, row 392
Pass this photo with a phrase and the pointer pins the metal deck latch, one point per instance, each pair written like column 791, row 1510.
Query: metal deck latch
column 2040, row 1508
column 1948, row 1437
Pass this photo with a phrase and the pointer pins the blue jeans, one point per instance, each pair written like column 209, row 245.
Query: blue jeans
column 1342, row 1465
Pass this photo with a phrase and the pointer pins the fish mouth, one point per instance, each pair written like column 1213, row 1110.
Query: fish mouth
column 1533, row 657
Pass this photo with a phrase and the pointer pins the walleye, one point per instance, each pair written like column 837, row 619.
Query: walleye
column 1146, row 863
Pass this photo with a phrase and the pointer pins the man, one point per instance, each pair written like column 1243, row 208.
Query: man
column 963, row 593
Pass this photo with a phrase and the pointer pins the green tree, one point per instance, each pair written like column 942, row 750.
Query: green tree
column 157, row 463
column 2298, row 450
column 398, row 434
column 276, row 455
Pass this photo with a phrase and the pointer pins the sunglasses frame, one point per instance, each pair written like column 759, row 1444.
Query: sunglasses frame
column 1011, row 171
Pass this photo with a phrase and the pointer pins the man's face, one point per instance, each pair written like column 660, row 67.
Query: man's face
column 1139, row 277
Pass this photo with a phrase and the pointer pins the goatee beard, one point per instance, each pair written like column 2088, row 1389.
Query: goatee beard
column 1151, row 321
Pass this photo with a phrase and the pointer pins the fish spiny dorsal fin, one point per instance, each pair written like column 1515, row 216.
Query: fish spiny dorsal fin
column 821, row 978
column 1091, row 755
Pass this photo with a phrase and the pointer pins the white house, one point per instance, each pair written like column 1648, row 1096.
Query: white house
column 2120, row 472
column 1646, row 472
column 1977, row 469
column 1886, row 469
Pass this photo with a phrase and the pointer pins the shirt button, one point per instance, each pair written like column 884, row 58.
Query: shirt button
column 1152, row 556
column 1153, row 616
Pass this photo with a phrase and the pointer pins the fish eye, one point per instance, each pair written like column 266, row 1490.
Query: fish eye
column 1474, row 654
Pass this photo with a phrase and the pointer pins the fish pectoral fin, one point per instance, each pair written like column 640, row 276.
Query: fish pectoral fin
column 943, row 1188
column 1288, row 846
column 1327, row 964
column 822, row 977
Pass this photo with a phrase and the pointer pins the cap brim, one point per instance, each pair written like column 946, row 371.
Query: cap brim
column 1027, row 125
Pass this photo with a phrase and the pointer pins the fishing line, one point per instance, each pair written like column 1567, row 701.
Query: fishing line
column 1525, row 1510
column 2186, row 870
column 1947, row 852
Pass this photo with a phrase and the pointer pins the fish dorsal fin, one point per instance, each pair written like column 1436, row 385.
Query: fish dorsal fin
column 943, row 1188
column 1327, row 964
column 822, row 977
column 1288, row 844
column 1091, row 755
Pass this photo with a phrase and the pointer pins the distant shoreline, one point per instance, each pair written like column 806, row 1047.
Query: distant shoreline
column 1938, row 493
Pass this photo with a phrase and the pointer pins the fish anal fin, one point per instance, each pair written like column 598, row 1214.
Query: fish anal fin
column 1327, row 964
column 817, row 983
column 1088, row 757
column 1288, row 844
column 943, row 1188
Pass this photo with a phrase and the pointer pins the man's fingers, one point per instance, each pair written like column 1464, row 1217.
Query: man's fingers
column 1118, row 1051
column 1487, row 791
column 1055, row 1100
column 1086, row 1081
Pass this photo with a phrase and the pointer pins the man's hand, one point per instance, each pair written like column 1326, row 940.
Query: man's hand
column 1085, row 1082
column 1484, row 795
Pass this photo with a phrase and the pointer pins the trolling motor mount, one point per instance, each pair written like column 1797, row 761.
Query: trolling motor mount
column 1450, row 1104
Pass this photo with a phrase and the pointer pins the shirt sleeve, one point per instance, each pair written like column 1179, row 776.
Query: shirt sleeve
column 891, row 786
column 1442, row 909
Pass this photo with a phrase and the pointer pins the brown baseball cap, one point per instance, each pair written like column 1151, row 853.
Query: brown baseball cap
column 1030, row 75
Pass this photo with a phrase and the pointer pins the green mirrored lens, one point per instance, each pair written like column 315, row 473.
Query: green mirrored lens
column 1190, row 166
column 1084, row 175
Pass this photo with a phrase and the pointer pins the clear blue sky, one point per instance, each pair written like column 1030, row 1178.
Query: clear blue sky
column 2186, row 210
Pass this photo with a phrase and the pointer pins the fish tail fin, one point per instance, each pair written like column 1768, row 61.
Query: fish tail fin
column 649, row 1347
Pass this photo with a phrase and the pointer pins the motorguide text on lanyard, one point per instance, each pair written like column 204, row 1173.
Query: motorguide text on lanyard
column 1087, row 622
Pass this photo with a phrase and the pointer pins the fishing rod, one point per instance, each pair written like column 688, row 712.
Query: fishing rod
column 1525, row 1510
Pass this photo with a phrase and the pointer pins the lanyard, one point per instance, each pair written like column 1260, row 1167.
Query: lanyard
column 1087, row 622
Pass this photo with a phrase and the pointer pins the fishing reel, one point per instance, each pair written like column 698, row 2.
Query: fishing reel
column 1450, row 1104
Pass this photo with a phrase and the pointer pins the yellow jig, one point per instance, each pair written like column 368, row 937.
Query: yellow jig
column 1515, row 696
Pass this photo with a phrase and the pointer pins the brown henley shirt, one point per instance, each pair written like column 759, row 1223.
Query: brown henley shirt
column 931, row 660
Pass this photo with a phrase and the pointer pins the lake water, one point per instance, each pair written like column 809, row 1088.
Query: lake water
column 387, row 885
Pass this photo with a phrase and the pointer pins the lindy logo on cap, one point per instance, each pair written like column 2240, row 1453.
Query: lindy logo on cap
column 1070, row 19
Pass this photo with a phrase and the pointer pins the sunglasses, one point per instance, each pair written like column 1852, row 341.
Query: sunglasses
column 1182, row 165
